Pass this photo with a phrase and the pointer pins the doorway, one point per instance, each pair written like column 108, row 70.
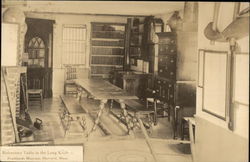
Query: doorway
column 38, row 45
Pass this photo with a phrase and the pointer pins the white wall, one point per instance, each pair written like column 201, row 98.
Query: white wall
column 209, row 127
column 225, row 18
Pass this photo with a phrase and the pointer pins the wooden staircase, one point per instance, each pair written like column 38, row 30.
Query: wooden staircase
column 9, row 133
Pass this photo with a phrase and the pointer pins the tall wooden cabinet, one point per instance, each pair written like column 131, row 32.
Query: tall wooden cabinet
column 167, row 55
column 107, row 48
column 165, row 75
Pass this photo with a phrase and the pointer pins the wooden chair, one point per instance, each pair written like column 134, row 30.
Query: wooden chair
column 70, row 74
column 161, row 109
column 35, row 94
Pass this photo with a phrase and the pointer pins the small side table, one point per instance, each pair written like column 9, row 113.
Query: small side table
column 186, row 120
column 191, row 125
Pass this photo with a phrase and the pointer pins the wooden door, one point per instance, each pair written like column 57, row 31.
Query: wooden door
column 36, row 63
column 38, row 43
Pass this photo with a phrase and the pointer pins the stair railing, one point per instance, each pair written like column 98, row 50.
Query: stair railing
column 10, row 105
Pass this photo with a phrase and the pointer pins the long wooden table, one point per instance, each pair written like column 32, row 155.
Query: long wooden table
column 103, row 90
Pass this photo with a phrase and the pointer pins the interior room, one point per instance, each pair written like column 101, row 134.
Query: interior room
column 128, row 81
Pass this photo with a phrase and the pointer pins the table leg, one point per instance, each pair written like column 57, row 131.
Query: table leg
column 125, row 113
column 102, row 105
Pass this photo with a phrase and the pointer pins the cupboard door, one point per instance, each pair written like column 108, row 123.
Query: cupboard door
column 158, row 88
column 166, row 49
column 171, row 93
column 167, row 40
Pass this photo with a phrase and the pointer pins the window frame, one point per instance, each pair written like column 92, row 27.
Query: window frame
column 65, row 41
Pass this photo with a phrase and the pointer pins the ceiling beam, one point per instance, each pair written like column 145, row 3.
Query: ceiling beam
column 89, row 14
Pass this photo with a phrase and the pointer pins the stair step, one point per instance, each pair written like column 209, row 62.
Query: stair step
column 6, row 113
column 10, row 138
column 6, row 109
column 8, row 142
column 5, row 116
column 4, row 104
column 6, row 121
column 4, row 99
column 3, row 90
column 8, row 127
column 9, row 133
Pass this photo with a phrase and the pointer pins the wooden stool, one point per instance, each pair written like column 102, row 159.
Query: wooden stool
column 35, row 96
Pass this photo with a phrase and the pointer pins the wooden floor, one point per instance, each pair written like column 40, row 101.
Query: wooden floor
column 99, row 148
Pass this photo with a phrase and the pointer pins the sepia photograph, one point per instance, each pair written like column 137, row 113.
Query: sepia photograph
column 124, row 81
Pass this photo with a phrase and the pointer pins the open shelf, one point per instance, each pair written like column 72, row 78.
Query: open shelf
column 107, row 48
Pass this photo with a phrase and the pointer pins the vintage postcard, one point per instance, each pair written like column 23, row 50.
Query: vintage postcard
column 124, row 81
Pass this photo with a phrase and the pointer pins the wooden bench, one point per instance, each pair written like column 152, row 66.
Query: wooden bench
column 138, row 110
column 72, row 105
column 72, row 112
column 137, row 107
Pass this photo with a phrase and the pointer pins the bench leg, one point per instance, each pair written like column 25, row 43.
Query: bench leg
column 155, row 112
column 125, row 113
column 82, row 121
column 68, row 125
column 102, row 105
column 111, row 104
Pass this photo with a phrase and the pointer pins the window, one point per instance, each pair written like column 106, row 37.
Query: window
column 74, row 44
column 36, row 50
